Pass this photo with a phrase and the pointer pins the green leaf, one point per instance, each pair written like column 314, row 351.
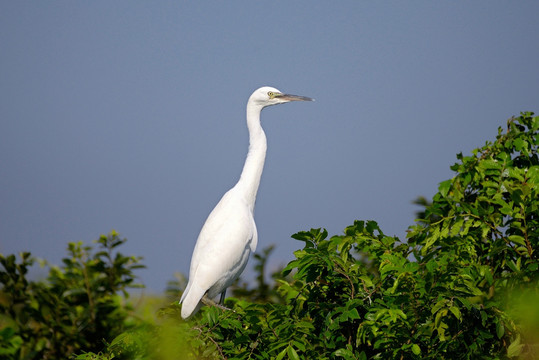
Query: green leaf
column 500, row 329
column 514, row 266
column 299, row 345
column 281, row 355
column 292, row 354
column 455, row 311
column 305, row 236
column 490, row 165
column 366, row 281
column 438, row 306
column 345, row 353
column 533, row 175
column 520, row 144
column 517, row 239
column 439, row 316
column 515, row 348
column 416, row 349
column 352, row 314
column 444, row 187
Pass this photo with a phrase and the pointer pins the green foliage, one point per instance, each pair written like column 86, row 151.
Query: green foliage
column 464, row 284
column 78, row 307
column 262, row 292
column 445, row 293
column 482, row 232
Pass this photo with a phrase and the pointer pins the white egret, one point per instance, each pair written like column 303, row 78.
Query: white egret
column 229, row 234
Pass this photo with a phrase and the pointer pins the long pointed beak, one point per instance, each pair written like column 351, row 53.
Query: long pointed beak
column 290, row 97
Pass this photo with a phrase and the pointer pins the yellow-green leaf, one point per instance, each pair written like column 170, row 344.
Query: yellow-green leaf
column 292, row 354
column 515, row 348
column 517, row 239
column 455, row 311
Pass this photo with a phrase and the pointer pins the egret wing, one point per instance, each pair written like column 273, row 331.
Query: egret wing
column 222, row 249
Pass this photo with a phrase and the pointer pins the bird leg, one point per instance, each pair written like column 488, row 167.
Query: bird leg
column 209, row 302
column 222, row 298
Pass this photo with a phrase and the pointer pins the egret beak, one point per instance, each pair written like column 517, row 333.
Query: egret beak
column 289, row 97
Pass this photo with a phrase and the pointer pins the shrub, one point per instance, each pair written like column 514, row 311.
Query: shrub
column 463, row 285
column 446, row 292
column 78, row 307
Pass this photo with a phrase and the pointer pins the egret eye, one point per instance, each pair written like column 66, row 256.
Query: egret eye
column 271, row 94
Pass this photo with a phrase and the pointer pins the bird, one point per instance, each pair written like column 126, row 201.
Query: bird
column 229, row 234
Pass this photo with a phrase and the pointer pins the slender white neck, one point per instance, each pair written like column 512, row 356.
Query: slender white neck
column 254, row 164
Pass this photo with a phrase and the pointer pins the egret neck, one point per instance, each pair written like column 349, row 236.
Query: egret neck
column 254, row 163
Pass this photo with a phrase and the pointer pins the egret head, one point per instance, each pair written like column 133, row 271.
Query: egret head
column 267, row 96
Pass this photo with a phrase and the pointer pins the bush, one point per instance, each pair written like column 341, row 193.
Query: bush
column 449, row 291
column 464, row 284
column 78, row 307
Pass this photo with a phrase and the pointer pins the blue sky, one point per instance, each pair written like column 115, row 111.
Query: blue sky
column 130, row 115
